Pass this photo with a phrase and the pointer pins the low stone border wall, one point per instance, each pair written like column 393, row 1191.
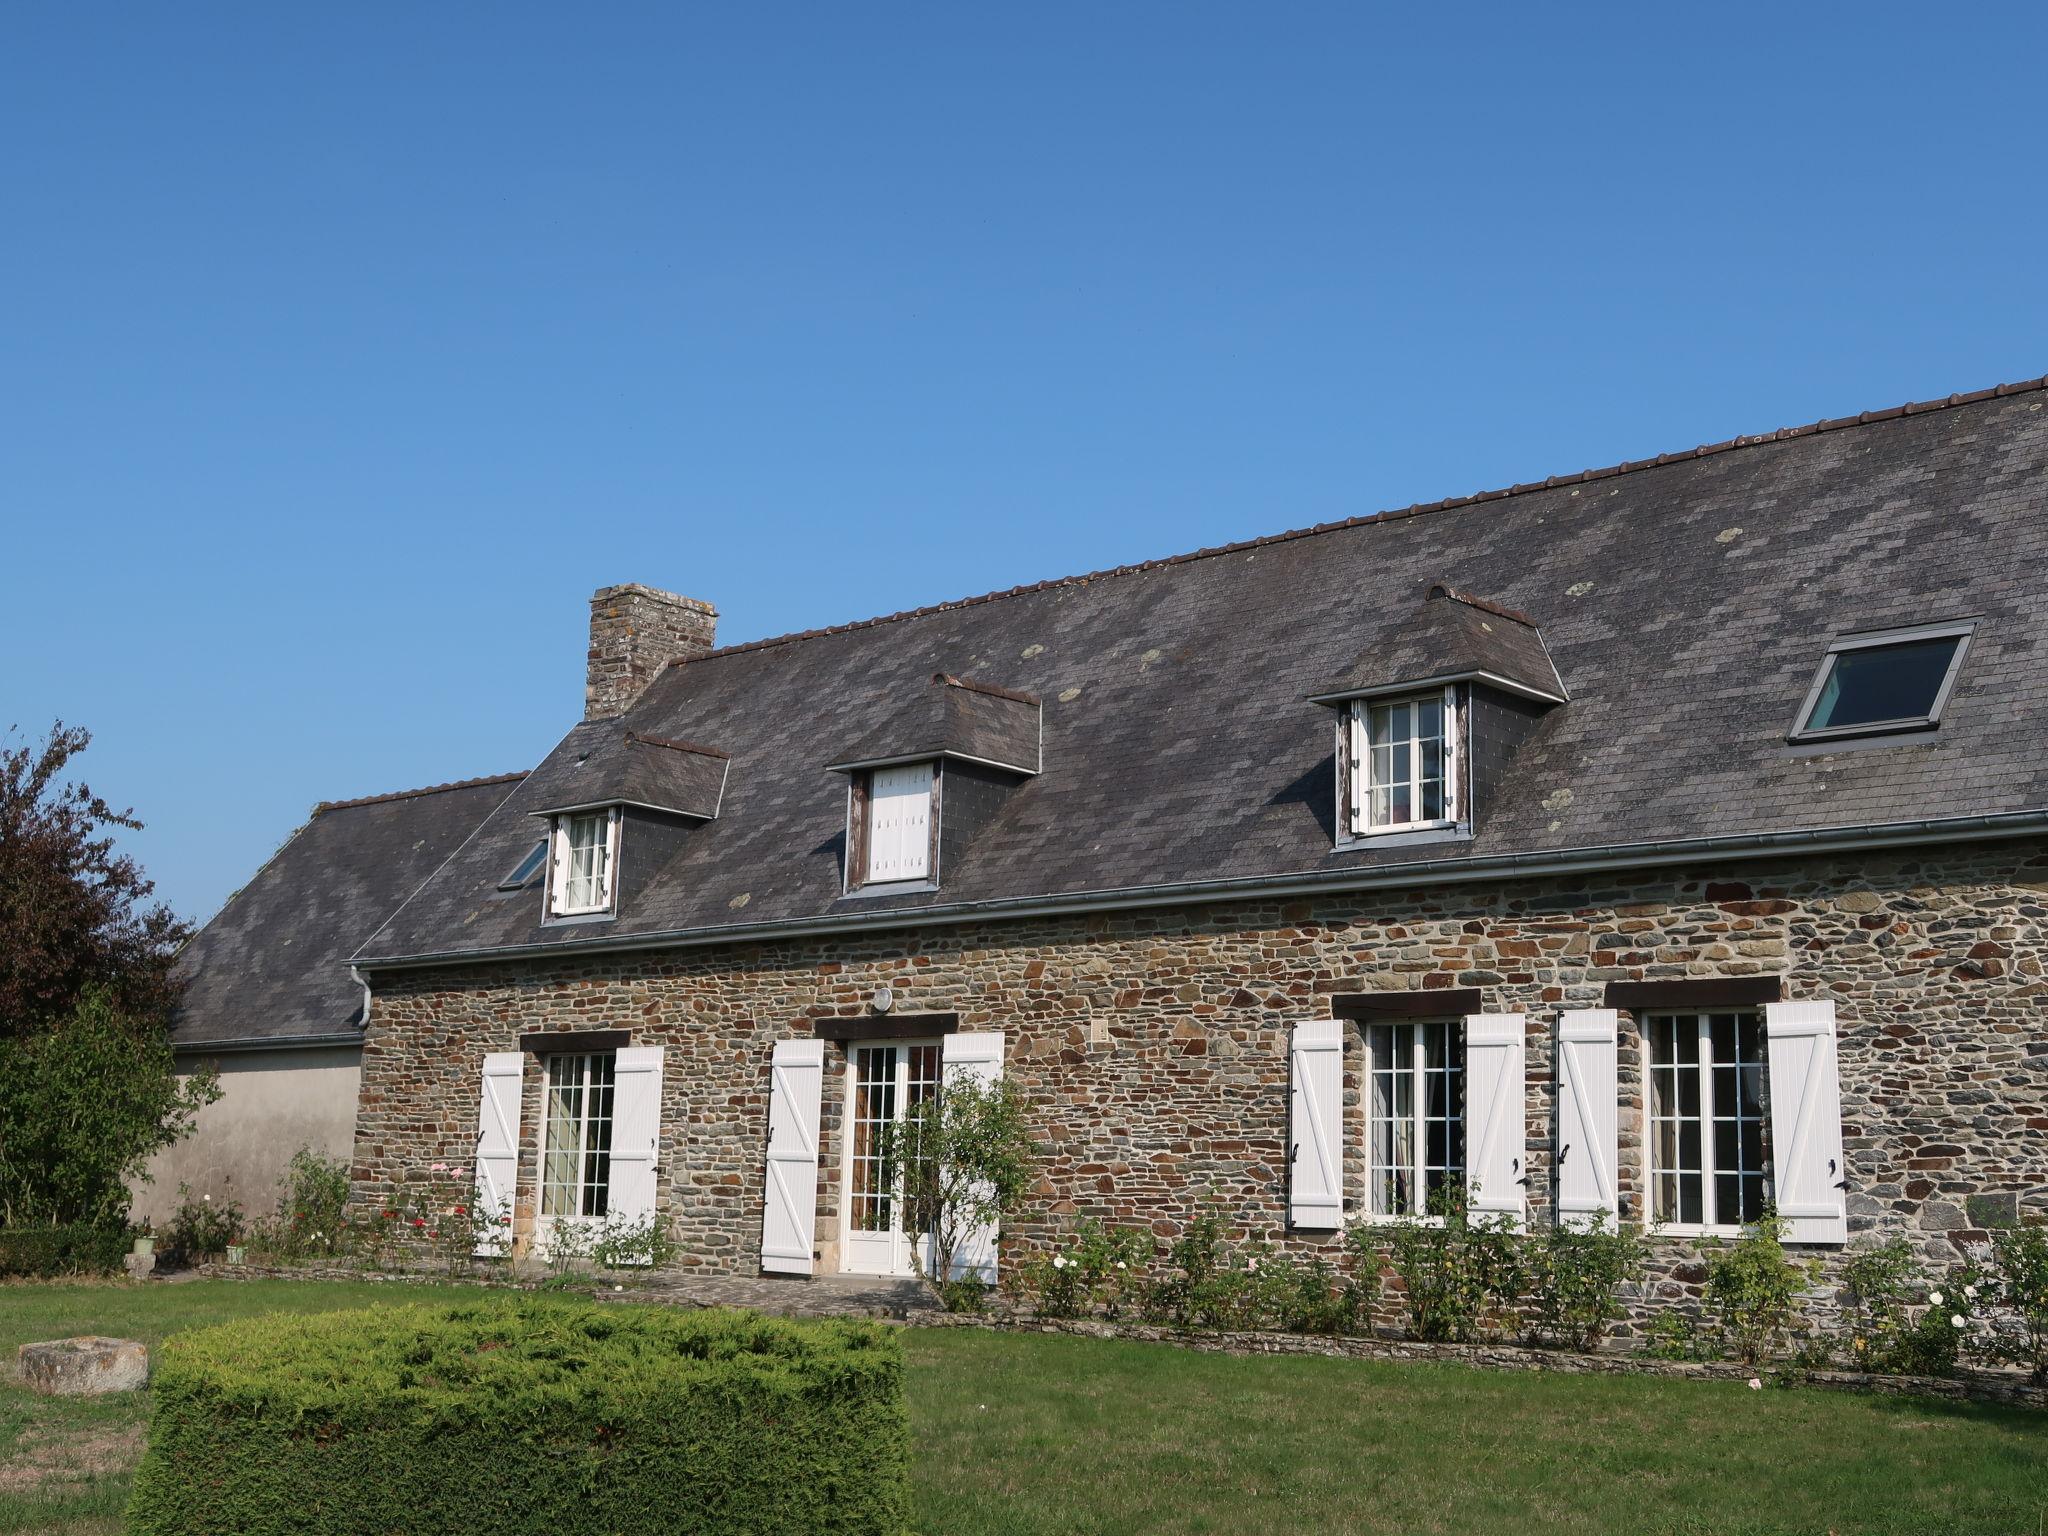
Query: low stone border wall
column 1971, row 1385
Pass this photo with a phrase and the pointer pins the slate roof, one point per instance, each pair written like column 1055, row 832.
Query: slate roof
column 952, row 717
column 271, row 965
column 623, row 767
column 1685, row 601
column 1453, row 635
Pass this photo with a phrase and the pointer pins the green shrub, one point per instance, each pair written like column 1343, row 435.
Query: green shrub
column 1100, row 1269
column 1577, row 1271
column 1881, row 1286
column 1674, row 1336
column 525, row 1415
column 46, row 1253
column 201, row 1229
column 1753, row 1291
column 1461, row 1279
column 2019, row 1276
column 85, row 1102
column 309, row 1225
column 1316, row 1297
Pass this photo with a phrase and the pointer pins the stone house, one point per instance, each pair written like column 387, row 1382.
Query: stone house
column 1667, row 840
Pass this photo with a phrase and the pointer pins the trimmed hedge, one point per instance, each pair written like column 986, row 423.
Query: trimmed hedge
column 44, row 1253
column 525, row 1415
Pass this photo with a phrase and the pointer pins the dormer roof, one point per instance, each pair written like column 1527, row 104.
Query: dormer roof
column 624, row 767
column 1452, row 637
column 952, row 717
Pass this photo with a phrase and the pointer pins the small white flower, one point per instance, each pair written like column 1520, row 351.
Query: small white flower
column 1934, row 1298
column 1955, row 1320
column 1755, row 1385
column 1059, row 1261
column 1120, row 1264
column 618, row 1287
column 209, row 1199
column 1970, row 1291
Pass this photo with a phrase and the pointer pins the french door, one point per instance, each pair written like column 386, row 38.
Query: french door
column 885, row 1082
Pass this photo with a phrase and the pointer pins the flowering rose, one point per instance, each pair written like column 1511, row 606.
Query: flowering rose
column 1059, row 1261
column 440, row 1168
column 1755, row 1385
column 462, row 1210
column 1934, row 1298
column 1970, row 1291
column 419, row 1221
column 1956, row 1320
column 433, row 1234
column 1253, row 1265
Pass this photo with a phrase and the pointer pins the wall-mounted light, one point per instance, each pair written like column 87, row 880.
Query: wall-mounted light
column 884, row 999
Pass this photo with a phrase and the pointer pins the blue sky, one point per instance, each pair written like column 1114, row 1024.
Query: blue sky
column 345, row 349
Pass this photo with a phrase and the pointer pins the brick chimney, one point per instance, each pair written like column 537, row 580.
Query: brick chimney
column 635, row 631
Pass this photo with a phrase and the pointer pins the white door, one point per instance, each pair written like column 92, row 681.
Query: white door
column 885, row 1080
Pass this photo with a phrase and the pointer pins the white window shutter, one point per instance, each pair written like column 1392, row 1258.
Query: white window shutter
column 978, row 1055
column 1806, row 1122
column 1496, row 1114
column 497, row 1149
column 789, row 1220
column 1588, row 1141
column 1315, row 1128
column 636, row 1130
column 899, row 822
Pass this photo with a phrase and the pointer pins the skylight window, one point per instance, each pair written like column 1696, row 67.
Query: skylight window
column 523, row 872
column 1871, row 685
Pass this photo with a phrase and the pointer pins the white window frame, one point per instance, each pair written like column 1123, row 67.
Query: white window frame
column 1417, row 1119
column 561, row 860
column 1359, row 726
column 1702, row 1018
column 588, row 1128
column 1960, row 631
column 922, row 876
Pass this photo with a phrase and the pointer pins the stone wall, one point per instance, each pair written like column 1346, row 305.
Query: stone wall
column 1152, row 1045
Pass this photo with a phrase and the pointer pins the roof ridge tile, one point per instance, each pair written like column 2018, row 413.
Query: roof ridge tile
column 413, row 794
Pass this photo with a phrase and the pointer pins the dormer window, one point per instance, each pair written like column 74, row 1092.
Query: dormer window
column 1403, row 763
column 585, row 863
column 899, row 823
column 1883, row 683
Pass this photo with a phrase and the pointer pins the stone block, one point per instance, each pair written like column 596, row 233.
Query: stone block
column 84, row 1367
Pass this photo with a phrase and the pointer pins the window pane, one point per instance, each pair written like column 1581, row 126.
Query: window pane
column 1883, row 682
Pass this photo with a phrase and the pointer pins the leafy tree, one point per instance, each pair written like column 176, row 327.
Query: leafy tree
column 88, row 1087
column 74, row 914
column 83, row 1107
column 966, row 1160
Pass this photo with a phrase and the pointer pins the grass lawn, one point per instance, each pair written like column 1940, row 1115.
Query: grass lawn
column 1017, row 1433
